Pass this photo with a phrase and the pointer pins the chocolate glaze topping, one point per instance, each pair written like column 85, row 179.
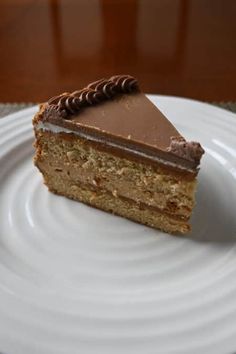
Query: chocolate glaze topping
column 70, row 103
column 114, row 112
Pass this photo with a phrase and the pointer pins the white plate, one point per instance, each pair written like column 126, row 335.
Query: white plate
column 75, row 280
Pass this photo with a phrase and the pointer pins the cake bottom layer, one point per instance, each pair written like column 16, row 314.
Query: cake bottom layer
column 104, row 200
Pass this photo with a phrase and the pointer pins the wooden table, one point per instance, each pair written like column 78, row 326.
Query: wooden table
column 174, row 47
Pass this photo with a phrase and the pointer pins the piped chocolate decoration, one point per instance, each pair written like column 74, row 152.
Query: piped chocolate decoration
column 65, row 101
column 88, row 96
column 125, row 83
column 55, row 111
column 107, row 88
column 189, row 150
column 94, row 93
column 72, row 104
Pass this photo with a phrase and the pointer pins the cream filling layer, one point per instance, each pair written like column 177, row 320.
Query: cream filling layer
column 57, row 129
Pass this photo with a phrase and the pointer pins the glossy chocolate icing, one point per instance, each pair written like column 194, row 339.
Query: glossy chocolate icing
column 68, row 104
column 122, row 116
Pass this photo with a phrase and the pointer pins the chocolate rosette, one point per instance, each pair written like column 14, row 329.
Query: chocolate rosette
column 125, row 83
column 105, row 87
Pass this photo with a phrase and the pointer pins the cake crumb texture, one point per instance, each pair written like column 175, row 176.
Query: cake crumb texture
column 80, row 170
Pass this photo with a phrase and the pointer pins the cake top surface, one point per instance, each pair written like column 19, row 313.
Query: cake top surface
column 131, row 116
column 116, row 108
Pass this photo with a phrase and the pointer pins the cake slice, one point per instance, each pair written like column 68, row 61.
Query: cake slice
column 108, row 146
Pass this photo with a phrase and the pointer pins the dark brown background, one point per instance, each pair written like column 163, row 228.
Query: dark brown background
column 175, row 47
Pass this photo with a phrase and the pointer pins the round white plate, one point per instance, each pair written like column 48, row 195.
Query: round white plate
column 75, row 280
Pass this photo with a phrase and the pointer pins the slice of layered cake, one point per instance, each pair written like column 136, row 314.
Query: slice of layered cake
column 110, row 147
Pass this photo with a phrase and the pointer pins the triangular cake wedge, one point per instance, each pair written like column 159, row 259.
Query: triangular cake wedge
column 108, row 146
